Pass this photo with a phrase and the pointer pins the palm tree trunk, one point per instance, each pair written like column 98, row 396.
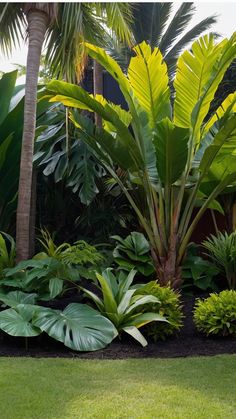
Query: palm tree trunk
column 37, row 26
column 97, row 86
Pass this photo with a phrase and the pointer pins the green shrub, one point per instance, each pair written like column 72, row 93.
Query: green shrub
column 169, row 307
column 198, row 273
column 216, row 315
column 222, row 250
column 133, row 252
column 80, row 253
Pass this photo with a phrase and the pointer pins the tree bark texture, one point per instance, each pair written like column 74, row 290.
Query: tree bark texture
column 37, row 26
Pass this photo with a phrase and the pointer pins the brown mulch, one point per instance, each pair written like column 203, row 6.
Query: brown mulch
column 188, row 342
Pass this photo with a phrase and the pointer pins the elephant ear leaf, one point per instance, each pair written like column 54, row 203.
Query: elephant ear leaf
column 79, row 327
column 13, row 298
column 18, row 321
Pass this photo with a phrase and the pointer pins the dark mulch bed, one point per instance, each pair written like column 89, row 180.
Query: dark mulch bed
column 188, row 342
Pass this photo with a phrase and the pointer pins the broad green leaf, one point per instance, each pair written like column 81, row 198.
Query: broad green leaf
column 111, row 66
column 171, row 143
column 79, row 327
column 55, row 287
column 228, row 105
column 148, row 78
column 223, row 145
column 136, row 334
column 119, row 149
column 201, row 109
column 194, row 70
column 13, row 298
column 124, row 115
column 86, row 171
column 17, row 321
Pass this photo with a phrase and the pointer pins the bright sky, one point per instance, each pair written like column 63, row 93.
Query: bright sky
column 225, row 25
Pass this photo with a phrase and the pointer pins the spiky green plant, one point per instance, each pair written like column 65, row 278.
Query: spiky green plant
column 222, row 250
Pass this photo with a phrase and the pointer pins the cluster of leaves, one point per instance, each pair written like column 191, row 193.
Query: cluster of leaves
column 46, row 277
column 198, row 273
column 169, row 306
column 120, row 303
column 172, row 155
column 216, row 315
column 222, row 250
column 80, row 253
column 133, row 252
column 78, row 326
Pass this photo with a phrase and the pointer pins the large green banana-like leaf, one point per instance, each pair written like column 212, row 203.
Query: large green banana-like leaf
column 148, row 78
column 199, row 73
column 17, row 321
column 112, row 67
column 124, row 115
column 202, row 107
column 79, row 327
column 125, row 155
column 224, row 144
column 75, row 96
column 228, row 105
column 171, row 143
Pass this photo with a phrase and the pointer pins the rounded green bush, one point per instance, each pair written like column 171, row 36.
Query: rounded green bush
column 169, row 307
column 216, row 315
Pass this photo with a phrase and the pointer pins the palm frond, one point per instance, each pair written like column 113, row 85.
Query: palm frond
column 177, row 25
column 149, row 21
column 12, row 26
column 118, row 17
column 65, row 47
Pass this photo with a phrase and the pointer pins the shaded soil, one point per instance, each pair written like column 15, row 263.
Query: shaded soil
column 188, row 342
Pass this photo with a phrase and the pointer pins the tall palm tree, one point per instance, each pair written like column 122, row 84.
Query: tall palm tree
column 150, row 23
column 62, row 26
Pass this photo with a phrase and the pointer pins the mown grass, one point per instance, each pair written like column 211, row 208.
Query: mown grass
column 145, row 388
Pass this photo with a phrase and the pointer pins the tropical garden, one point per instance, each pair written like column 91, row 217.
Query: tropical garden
column 118, row 203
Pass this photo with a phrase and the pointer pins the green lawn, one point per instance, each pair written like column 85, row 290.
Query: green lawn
column 146, row 388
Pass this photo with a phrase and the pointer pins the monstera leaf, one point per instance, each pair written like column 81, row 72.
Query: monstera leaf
column 79, row 327
column 17, row 321
column 84, row 172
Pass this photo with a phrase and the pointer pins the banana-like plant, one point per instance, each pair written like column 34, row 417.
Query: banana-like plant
column 171, row 153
